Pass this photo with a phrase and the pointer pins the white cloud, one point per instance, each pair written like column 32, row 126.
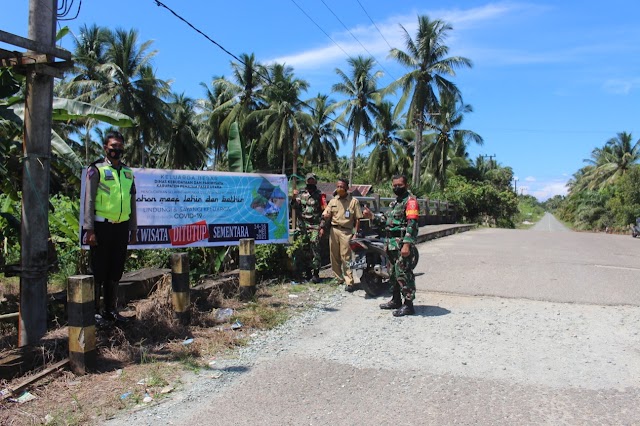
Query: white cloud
column 332, row 55
column 530, row 179
column 618, row 86
column 545, row 190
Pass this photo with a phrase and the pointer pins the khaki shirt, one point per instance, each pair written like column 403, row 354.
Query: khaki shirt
column 344, row 211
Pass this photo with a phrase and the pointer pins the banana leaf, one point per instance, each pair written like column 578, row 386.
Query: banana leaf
column 235, row 150
column 69, row 109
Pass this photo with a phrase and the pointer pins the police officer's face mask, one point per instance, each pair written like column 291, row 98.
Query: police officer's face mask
column 115, row 153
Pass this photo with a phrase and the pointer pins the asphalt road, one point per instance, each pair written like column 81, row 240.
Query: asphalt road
column 512, row 328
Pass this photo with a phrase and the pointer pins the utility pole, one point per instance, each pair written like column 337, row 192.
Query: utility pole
column 35, row 180
column 490, row 157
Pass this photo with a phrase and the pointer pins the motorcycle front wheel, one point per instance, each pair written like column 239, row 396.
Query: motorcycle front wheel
column 414, row 257
column 372, row 284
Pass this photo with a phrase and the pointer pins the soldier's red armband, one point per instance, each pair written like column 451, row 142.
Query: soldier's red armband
column 412, row 210
column 323, row 200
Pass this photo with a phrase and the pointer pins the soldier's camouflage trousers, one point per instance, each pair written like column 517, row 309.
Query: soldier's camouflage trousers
column 308, row 258
column 401, row 274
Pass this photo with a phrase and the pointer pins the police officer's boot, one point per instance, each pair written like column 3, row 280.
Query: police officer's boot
column 406, row 309
column 110, row 303
column 315, row 278
column 395, row 302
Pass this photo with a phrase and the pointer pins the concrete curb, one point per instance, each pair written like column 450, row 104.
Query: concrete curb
column 431, row 232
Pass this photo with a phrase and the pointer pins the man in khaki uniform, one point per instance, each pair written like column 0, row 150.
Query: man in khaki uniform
column 344, row 214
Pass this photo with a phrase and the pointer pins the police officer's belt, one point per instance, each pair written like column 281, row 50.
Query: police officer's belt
column 97, row 218
column 344, row 228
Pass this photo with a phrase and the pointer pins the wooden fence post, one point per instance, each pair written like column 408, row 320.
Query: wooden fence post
column 247, row 261
column 81, row 311
column 180, row 291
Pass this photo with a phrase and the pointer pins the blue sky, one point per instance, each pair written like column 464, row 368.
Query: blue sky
column 551, row 79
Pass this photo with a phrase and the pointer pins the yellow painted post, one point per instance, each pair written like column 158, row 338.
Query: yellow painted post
column 180, row 291
column 247, row 261
column 81, row 311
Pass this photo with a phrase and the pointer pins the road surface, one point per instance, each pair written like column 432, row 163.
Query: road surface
column 513, row 327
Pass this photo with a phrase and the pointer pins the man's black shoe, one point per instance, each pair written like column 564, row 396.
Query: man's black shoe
column 315, row 279
column 391, row 304
column 350, row 288
column 114, row 316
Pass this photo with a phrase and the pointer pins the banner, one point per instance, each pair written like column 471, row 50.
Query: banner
column 181, row 208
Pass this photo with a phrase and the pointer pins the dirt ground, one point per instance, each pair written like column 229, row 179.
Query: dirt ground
column 145, row 361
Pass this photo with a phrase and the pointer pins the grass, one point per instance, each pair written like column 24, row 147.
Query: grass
column 528, row 212
column 153, row 349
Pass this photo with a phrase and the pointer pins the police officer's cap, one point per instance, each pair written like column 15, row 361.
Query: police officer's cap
column 311, row 176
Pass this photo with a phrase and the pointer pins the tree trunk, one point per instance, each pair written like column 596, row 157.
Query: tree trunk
column 353, row 157
column 417, row 155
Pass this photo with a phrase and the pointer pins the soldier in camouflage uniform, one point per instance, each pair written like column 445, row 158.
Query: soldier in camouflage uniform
column 309, row 204
column 401, row 232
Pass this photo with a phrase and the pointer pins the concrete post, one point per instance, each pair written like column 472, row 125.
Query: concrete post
column 82, row 323
column 247, row 260
column 180, row 290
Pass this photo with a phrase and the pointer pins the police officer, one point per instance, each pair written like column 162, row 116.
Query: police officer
column 344, row 214
column 309, row 205
column 401, row 232
column 110, row 221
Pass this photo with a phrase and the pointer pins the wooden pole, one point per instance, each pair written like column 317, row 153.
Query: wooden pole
column 81, row 309
column 180, row 291
column 247, row 261
column 35, row 182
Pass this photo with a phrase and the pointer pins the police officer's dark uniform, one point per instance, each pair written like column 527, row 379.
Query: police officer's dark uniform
column 110, row 221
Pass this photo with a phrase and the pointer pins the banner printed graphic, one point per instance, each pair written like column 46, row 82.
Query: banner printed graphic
column 180, row 208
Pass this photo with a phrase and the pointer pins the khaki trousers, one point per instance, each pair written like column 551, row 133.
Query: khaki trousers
column 340, row 254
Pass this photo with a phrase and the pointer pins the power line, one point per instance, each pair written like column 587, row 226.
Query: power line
column 374, row 24
column 265, row 77
column 320, row 28
column 356, row 39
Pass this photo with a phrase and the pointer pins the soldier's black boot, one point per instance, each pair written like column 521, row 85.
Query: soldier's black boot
column 395, row 302
column 406, row 309
column 315, row 278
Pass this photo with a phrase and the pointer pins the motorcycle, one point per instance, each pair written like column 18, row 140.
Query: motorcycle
column 370, row 261
column 635, row 229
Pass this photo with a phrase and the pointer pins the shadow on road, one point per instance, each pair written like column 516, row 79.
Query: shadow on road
column 431, row 311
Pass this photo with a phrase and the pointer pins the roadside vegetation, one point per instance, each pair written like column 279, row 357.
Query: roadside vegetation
column 604, row 195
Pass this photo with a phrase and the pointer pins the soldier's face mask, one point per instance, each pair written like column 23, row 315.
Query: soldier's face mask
column 399, row 189
column 311, row 187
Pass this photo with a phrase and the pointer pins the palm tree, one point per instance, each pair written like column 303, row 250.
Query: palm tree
column 450, row 115
column 183, row 149
column 611, row 161
column 89, row 55
column 241, row 95
column 133, row 89
column 284, row 120
column 360, row 107
column 211, row 118
column 426, row 56
column 323, row 136
column 390, row 142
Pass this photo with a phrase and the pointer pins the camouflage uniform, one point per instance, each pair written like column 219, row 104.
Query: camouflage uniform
column 309, row 206
column 401, row 228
